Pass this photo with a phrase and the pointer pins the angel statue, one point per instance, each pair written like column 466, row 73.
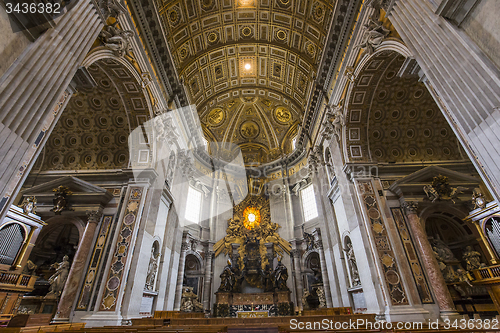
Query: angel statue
column 117, row 40
column 29, row 205
column 431, row 193
column 58, row 279
column 472, row 258
column 375, row 33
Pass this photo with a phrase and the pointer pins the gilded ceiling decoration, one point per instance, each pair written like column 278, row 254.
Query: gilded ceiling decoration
column 248, row 65
column 93, row 130
column 394, row 119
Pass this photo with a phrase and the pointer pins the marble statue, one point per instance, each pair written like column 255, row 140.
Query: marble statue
column 472, row 258
column 152, row 268
column 60, row 202
column 30, row 268
column 320, row 292
column 375, row 33
column 443, row 251
column 58, row 279
column 227, row 278
column 189, row 301
column 305, row 304
column 353, row 266
column 309, row 238
column 29, row 205
column 280, row 277
column 117, row 40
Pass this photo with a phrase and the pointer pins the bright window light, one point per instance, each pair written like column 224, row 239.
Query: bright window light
column 193, row 205
column 309, row 203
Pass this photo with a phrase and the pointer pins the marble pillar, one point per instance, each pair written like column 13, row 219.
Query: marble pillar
column 461, row 78
column 443, row 297
column 180, row 276
column 298, row 278
column 208, row 279
column 33, row 88
column 324, row 274
column 76, row 272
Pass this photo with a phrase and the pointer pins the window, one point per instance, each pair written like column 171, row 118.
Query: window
column 193, row 205
column 309, row 203
column 294, row 143
column 11, row 240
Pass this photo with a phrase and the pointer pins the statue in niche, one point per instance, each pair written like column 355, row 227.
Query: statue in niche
column 375, row 33
column 472, row 258
column 117, row 40
column 60, row 201
column 29, row 205
column 189, row 301
column 353, row 267
column 152, row 268
column 280, row 277
column 58, row 279
column 443, row 251
column 227, row 278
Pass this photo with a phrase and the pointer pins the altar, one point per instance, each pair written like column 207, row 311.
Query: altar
column 252, row 314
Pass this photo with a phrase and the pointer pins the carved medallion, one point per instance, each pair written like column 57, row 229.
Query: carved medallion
column 249, row 130
column 216, row 116
column 282, row 115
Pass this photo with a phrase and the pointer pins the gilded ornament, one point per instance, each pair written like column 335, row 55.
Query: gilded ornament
column 281, row 35
column 282, row 115
column 249, row 130
column 216, row 116
column 252, row 218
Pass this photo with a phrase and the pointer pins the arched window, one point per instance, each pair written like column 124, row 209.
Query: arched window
column 11, row 239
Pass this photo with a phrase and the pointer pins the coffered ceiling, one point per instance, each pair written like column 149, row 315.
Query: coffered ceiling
column 248, row 65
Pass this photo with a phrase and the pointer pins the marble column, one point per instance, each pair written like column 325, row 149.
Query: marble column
column 462, row 79
column 324, row 274
column 76, row 273
column 208, row 279
column 441, row 292
column 32, row 93
column 298, row 278
column 180, row 276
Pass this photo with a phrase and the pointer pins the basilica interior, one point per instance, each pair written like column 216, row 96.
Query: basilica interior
column 202, row 163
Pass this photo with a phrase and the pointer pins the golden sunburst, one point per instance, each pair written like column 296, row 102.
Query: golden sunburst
column 252, row 218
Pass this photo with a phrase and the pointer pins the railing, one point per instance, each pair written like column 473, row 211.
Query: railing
column 17, row 281
column 487, row 274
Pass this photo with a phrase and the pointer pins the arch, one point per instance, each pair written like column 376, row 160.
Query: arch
column 385, row 111
column 57, row 239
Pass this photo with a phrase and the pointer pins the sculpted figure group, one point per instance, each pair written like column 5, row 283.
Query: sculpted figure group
column 232, row 277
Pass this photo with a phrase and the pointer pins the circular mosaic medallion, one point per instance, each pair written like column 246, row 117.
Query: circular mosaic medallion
column 216, row 116
column 282, row 115
column 249, row 129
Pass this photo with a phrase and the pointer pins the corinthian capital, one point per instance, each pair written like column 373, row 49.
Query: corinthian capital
column 410, row 207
